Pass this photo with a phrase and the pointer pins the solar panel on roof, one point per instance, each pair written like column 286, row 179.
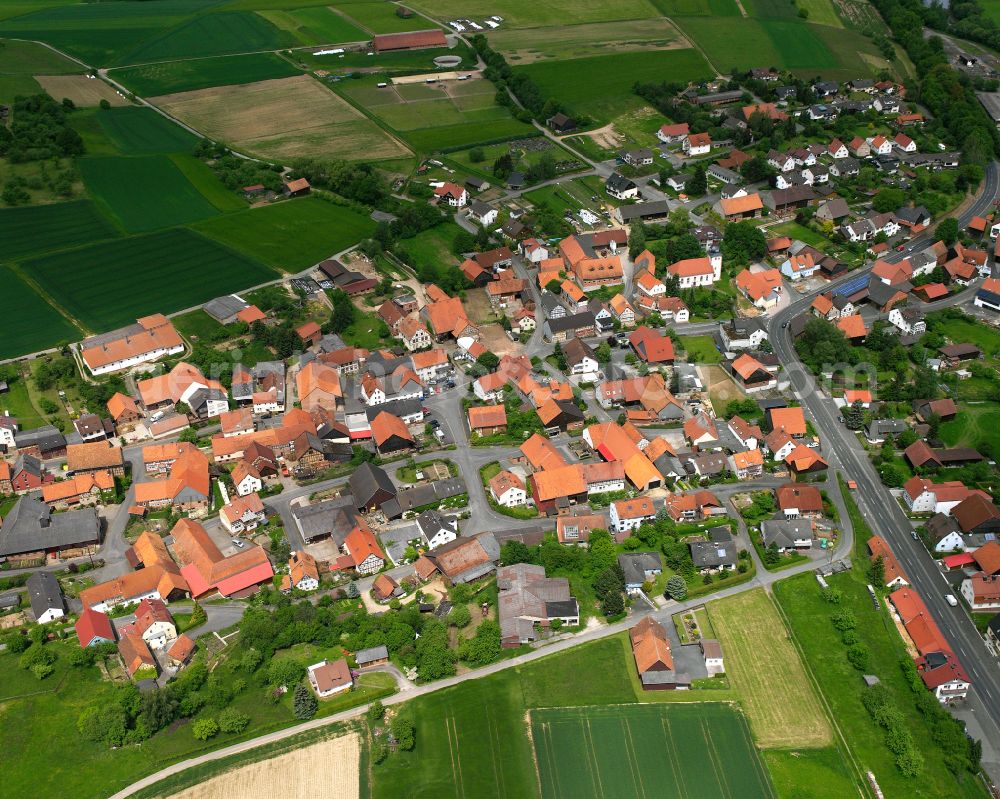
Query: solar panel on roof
column 851, row 286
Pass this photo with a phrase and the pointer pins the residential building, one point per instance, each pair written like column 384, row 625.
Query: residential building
column 46, row 597
column 330, row 678
column 150, row 338
column 654, row 661
column 639, row 568
column 528, row 598
column 630, row 514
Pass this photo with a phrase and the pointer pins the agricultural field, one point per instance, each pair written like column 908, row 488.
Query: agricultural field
column 381, row 17
column 697, row 8
column 808, row 616
column 82, row 90
column 150, row 80
column 212, row 35
column 529, row 14
column 529, row 45
column 290, row 235
column 601, row 86
column 317, row 25
column 283, row 118
column 100, row 33
column 111, row 284
column 771, row 9
column 124, row 185
column 41, row 228
column 21, row 61
column 765, row 668
column 440, row 116
column 293, row 775
column 30, row 323
column 201, row 176
column 141, row 131
column 792, row 44
column 821, row 12
column 647, row 750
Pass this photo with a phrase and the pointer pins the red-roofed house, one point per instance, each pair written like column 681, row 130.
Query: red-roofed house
column 93, row 628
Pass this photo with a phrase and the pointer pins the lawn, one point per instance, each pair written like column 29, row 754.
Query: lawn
column 21, row 61
column 41, row 228
column 30, row 323
column 168, row 77
column 647, row 750
column 125, row 187
column 810, row 773
column 432, row 246
column 601, row 86
column 318, row 25
column 17, row 402
column 967, row 331
column 701, row 349
column 799, row 45
column 821, row 12
column 200, row 175
column 796, row 231
column 290, row 235
column 973, row 426
column 111, row 284
column 142, row 131
column 607, row 683
column 197, row 325
column 770, row 9
column 764, row 667
column 820, row 644
column 697, row 8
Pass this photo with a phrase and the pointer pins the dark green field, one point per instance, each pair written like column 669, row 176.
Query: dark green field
column 290, row 235
column 110, row 284
column 29, row 323
column 151, row 80
column 697, row 8
column 700, row 750
column 453, row 137
column 210, row 35
column 800, row 46
column 145, row 192
column 142, row 131
column 41, row 228
column 602, row 86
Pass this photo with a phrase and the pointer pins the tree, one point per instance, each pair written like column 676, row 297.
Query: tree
column 560, row 357
column 676, row 588
column 877, row 572
column 636, row 239
column 459, row 616
column 304, row 704
column 488, row 361
column 888, row 200
column 344, row 312
column 403, row 731
column 232, row 720
column 203, row 729
column 743, row 242
column 613, row 605
column 854, row 416
column 554, row 286
column 375, row 712
column 476, row 155
column 947, row 230
column 514, row 551
column 603, row 352
column 484, row 647
column 698, row 184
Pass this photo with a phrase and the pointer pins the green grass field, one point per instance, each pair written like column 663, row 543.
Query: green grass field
column 697, row 8
column 701, row 349
column 808, row 615
column 528, row 14
column 527, row 45
column 212, row 35
column 647, row 750
column 110, row 284
column 40, row 228
column 764, row 667
column 771, row 9
column 974, row 425
column 144, row 192
column 29, row 322
column 17, row 403
column 19, row 61
column 821, row 12
column 602, row 86
column 799, row 45
column 142, row 131
column 290, row 235
column 201, row 176
column 991, row 8
column 968, row 331
column 152, row 80
column 380, row 18
column 317, row 25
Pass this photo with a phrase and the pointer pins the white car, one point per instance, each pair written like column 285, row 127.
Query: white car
column 237, row 543
column 950, row 599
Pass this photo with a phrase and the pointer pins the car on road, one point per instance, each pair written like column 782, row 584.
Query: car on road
column 784, row 325
column 900, row 248
column 913, row 533
column 950, row 599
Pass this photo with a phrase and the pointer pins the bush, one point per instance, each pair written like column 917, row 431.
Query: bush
column 37, row 655
column 232, row 720
column 859, row 656
column 404, row 732
column 203, row 729
column 844, row 620
column 459, row 616
column 42, row 670
column 375, row 712
column 304, row 703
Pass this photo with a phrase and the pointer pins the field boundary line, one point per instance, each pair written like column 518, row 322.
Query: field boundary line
column 494, row 751
column 457, row 759
column 633, row 759
column 550, row 760
column 595, row 771
column 861, row 780
column 673, row 757
column 33, row 284
column 713, row 756
column 384, row 126
column 765, row 775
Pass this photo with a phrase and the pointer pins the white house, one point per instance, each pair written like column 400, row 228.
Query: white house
column 783, row 162
column 8, row 427
column 154, row 624
column 629, row 514
column 698, row 144
column 246, row 479
column 668, row 134
column 303, row 572
column 982, row 592
column 693, row 272
column 711, row 650
column 923, row 496
column 437, row 529
column 621, row 187
column 909, row 321
column 508, row 490
column 880, row 145
column 329, row 678
column 482, row 213
column 451, row 194
column 243, row 513
column 152, row 337
column 46, row 597
column 837, row 149
column 904, row 143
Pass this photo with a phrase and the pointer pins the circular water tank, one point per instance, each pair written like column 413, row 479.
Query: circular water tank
column 448, row 61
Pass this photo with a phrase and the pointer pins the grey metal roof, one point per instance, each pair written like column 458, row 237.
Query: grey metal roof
column 372, row 654
column 636, row 564
column 223, row 308
column 46, row 438
column 366, row 482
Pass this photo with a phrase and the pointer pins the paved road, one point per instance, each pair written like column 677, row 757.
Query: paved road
column 880, row 508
